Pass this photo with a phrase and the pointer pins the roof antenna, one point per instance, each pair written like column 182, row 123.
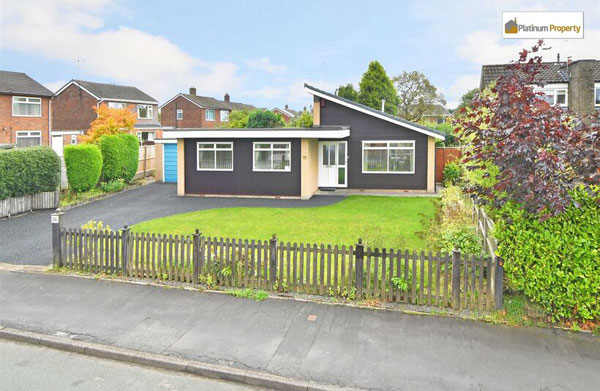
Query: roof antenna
column 78, row 62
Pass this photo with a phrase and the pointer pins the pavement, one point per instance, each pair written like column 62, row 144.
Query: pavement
column 25, row 367
column 332, row 344
column 26, row 239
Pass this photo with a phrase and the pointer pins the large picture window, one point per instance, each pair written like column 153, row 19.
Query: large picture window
column 27, row 107
column 28, row 138
column 388, row 157
column 215, row 156
column 272, row 156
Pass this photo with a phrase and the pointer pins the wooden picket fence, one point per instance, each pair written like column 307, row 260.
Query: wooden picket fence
column 354, row 272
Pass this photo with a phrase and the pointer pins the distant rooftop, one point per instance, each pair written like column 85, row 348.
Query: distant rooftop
column 114, row 91
column 19, row 83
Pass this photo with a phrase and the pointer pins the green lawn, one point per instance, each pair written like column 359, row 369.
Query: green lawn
column 390, row 222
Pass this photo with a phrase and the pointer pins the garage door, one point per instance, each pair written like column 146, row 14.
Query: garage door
column 170, row 160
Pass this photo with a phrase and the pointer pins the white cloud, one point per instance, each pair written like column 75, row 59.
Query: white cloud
column 70, row 30
column 296, row 93
column 55, row 85
column 461, row 85
column 264, row 64
column 265, row 92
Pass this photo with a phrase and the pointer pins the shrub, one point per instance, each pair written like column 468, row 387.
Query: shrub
column 112, row 186
column 264, row 119
column 84, row 164
column 27, row 171
column 556, row 263
column 452, row 173
column 120, row 157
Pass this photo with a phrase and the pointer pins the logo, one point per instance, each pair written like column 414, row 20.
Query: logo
column 536, row 25
column 511, row 27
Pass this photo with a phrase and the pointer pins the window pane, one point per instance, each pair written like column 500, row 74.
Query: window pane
column 262, row 160
column 281, row 160
column 561, row 97
column 206, row 146
column 341, row 175
column 548, row 96
column 224, row 160
column 280, row 146
column 206, row 159
column 376, row 145
column 332, row 155
column 325, row 155
column 30, row 109
column 401, row 145
column 224, row 115
column 263, row 146
column 375, row 160
column 401, row 160
column 224, row 146
column 342, row 154
column 598, row 96
column 210, row 115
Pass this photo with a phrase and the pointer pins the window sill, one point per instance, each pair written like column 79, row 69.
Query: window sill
column 257, row 170
column 389, row 172
column 28, row 116
column 215, row 169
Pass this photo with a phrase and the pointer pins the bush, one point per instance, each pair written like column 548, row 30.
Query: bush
column 112, row 186
column 452, row 173
column 84, row 164
column 556, row 263
column 27, row 171
column 264, row 119
column 120, row 157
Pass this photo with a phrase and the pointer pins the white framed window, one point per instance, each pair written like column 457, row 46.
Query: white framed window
column 23, row 106
column 209, row 115
column 224, row 115
column 557, row 96
column 117, row 105
column 597, row 95
column 214, row 156
column 73, row 139
column 144, row 111
column 28, row 138
column 145, row 137
column 388, row 157
column 272, row 156
column 179, row 114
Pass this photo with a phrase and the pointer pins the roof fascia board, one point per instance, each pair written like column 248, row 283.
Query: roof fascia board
column 78, row 85
column 177, row 96
column 334, row 134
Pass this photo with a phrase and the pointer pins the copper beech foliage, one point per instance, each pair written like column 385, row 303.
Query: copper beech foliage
column 542, row 151
column 109, row 122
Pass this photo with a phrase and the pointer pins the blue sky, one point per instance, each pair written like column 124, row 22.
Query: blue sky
column 261, row 52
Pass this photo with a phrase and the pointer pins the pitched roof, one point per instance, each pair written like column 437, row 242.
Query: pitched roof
column 20, row 83
column 112, row 91
column 375, row 113
column 552, row 72
column 208, row 102
column 289, row 112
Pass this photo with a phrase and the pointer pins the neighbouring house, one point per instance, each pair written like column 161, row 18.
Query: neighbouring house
column 24, row 110
column 286, row 113
column 349, row 146
column 572, row 84
column 195, row 111
column 437, row 114
column 73, row 110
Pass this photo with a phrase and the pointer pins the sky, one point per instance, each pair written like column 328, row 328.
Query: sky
column 262, row 52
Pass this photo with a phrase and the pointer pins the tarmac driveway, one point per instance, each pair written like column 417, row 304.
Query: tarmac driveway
column 27, row 239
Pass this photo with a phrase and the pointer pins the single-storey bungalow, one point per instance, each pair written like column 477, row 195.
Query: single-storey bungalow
column 349, row 146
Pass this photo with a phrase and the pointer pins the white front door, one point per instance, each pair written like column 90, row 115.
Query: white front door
column 57, row 144
column 333, row 163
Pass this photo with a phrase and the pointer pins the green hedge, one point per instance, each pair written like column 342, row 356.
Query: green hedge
column 27, row 171
column 556, row 263
column 84, row 164
column 120, row 157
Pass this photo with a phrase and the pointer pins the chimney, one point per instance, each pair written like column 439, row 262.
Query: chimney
column 557, row 57
column 286, row 106
column 226, row 97
column 192, row 90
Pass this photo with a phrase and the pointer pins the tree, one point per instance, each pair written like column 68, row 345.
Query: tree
column 237, row 119
column 466, row 99
column 264, row 119
column 347, row 91
column 416, row 95
column 109, row 121
column 304, row 120
column 541, row 152
column 375, row 85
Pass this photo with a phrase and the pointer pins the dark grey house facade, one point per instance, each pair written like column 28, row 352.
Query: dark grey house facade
column 349, row 146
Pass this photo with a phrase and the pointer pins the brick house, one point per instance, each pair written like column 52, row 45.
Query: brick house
column 195, row 111
column 286, row 113
column 24, row 110
column 73, row 110
column 572, row 84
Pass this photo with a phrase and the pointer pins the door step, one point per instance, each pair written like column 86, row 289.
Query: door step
column 327, row 188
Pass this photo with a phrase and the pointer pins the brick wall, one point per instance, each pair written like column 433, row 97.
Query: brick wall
column 9, row 125
column 581, row 87
column 73, row 109
column 193, row 116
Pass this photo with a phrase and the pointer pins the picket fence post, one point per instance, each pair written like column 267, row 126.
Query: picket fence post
column 125, row 255
column 498, row 283
column 196, row 256
column 57, row 222
column 272, row 261
column 455, row 279
column 360, row 256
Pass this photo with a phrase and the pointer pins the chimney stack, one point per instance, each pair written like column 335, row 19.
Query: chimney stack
column 226, row 98
column 286, row 106
column 192, row 90
column 557, row 57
